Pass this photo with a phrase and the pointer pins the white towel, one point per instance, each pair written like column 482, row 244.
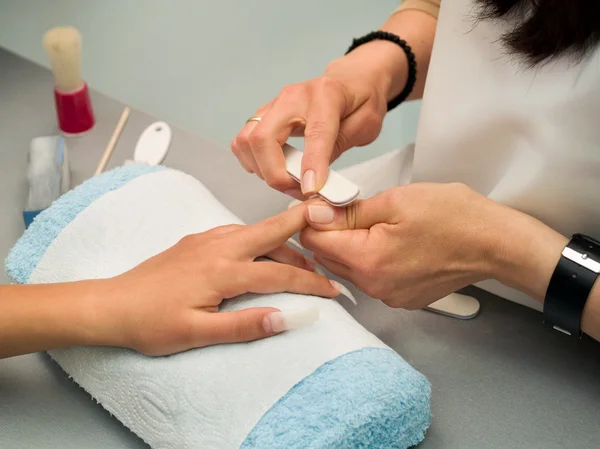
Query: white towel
column 330, row 385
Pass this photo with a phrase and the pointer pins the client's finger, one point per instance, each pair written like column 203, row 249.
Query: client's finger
column 260, row 238
column 251, row 324
column 285, row 254
column 339, row 269
column 225, row 229
column 270, row 277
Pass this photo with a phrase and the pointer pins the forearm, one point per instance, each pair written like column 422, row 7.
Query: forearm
column 527, row 254
column 48, row 316
column 417, row 28
column 386, row 63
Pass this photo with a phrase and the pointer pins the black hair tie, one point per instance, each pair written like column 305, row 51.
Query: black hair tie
column 412, row 63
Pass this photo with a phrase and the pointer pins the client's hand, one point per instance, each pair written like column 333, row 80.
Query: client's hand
column 169, row 303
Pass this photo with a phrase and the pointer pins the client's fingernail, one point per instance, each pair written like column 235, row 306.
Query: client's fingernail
column 343, row 291
column 287, row 320
column 309, row 183
column 291, row 241
column 321, row 214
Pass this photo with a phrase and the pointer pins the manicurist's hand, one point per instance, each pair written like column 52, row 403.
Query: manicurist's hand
column 341, row 109
column 414, row 244
column 170, row 302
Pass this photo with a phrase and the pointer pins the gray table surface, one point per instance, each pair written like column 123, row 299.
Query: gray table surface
column 500, row 380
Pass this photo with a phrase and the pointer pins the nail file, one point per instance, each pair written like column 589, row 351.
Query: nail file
column 153, row 144
column 337, row 191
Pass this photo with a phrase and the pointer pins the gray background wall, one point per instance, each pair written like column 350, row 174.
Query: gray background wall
column 205, row 65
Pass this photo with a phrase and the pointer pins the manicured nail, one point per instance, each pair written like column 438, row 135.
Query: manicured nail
column 321, row 214
column 287, row 320
column 309, row 182
column 293, row 242
column 343, row 291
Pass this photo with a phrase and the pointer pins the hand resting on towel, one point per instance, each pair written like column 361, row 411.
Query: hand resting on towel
column 168, row 303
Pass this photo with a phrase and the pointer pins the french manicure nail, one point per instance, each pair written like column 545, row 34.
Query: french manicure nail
column 287, row 320
column 293, row 242
column 321, row 214
column 308, row 182
column 341, row 288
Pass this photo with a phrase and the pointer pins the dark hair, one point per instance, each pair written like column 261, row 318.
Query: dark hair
column 546, row 29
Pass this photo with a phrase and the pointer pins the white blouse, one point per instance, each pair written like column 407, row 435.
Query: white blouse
column 525, row 137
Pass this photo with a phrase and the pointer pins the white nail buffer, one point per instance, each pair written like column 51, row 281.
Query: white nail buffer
column 337, row 191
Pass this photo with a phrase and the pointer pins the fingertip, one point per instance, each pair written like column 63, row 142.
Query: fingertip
column 251, row 324
column 325, row 287
column 315, row 172
column 320, row 214
column 281, row 321
column 271, row 322
column 341, row 289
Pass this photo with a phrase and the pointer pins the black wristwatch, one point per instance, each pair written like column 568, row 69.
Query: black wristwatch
column 571, row 284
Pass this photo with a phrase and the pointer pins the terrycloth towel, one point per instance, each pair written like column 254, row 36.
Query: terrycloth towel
column 327, row 386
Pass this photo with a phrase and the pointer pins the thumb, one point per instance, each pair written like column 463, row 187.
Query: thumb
column 252, row 324
column 362, row 214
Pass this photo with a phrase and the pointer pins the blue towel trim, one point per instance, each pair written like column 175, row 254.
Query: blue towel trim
column 29, row 249
column 370, row 398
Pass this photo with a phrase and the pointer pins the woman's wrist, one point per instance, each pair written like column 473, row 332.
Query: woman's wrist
column 81, row 315
column 48, row 316
column 525, row 255
column 524, row 252
column 382, row 64
column 101, row 309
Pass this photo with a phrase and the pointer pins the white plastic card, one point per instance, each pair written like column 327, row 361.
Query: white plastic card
column 153, row 144
column 337, row 191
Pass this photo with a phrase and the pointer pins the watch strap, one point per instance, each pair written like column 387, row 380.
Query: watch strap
column 571, row 284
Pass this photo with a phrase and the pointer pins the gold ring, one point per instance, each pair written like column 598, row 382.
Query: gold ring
column 253, row 119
